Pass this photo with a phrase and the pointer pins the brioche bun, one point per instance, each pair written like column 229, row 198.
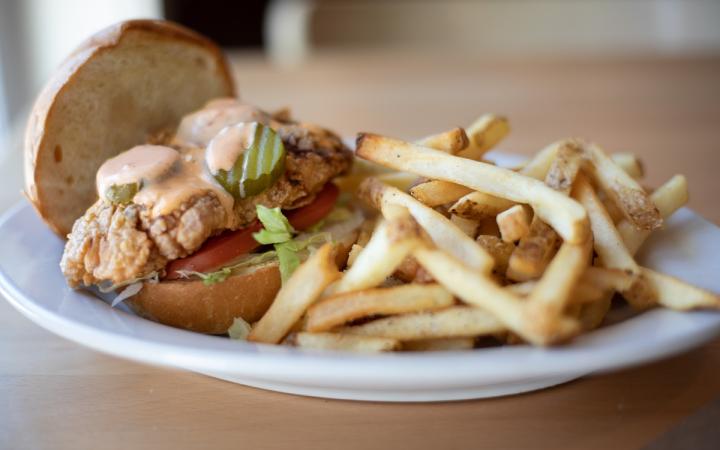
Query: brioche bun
column 191, row 305
column 125, row 83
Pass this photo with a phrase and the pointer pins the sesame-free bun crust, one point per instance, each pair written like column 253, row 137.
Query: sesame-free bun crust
column 208, row 309
column 122, row 85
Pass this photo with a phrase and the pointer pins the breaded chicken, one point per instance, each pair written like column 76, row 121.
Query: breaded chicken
column 118, row 243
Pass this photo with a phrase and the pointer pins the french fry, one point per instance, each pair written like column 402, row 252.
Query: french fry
column 410, row 271
column 608, row 243
column 513, row 223
column 582, row 292
column 592, row 314
column 537, row 246
column 399, row 180
column 565, row 215
column 435, row 192
column 441, row 230
column 456, row 321
column 488, row 227
column 484, row 134
column 353, row 254
column 668, row 198
column 629, row 163
column 479, row 206
column 552, row 293
column 481, row 291
column 607, row 279
column 343, row 308
column 498, row 249
column 301, row 290
column 613, row 210
column 539, row 166
column 451, row 141
column 564, row 168
column 345, row 342
column 467, row 226
column 676, row 294
column 441, row 344
column 533, row 253
column 392, row 241
column 624, row 190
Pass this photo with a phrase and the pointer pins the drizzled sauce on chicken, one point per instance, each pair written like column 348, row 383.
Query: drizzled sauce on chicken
column 177, row 204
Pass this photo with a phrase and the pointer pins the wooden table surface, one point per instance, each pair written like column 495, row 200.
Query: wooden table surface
column 56, row 394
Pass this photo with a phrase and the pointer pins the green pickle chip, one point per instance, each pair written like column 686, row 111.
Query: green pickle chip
column 121, row 194
column 258, row 167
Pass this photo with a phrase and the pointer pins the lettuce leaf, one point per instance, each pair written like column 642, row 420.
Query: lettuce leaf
column 239, row 329
column 288, row 260
column 276, row 228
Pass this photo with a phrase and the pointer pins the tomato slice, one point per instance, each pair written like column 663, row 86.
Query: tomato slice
column 218, row 250
column 307, row 216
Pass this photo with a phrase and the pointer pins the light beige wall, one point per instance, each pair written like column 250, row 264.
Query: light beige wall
column 592, row 27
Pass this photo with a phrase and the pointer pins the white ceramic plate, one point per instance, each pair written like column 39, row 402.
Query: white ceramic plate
column 31, row 281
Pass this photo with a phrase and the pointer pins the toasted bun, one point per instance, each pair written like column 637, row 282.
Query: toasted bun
column 125, row 83
column 191, row 305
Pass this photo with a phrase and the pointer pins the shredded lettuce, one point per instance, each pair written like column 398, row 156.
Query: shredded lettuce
column 239, row 329
column 107, row 286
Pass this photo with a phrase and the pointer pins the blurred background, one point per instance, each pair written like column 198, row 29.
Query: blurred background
column 635, row 75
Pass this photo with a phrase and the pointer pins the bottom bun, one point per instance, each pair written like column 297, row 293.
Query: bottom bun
column 191, row 305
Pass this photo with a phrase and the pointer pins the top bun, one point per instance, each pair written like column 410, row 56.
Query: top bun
column 124, row 84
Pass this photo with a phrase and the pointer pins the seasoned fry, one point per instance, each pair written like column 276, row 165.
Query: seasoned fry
column 592, row 314
column 608, row 242
column 539, row 166
column 668, row 198
column 624, row 190
column 533, row 253
column 343, row 308
column 629, row 163
column 410, row 271
column 456, row 321
column 488, row 227
column 399, row 180
column 301, row 290
column 345, row 342
column 565, row 215
column 392, row 241
column 676, row 294
column 441, row 344
column 499, row 249
column 435, row 192
column 552, row 293
column 608, row 279
column 467, row 226
column 513, row 223
column 441, row 230
column 481, row 291
column 451, row 141
column 353, row 254
column 484, row 134
column 564, row 168
column 479, row 206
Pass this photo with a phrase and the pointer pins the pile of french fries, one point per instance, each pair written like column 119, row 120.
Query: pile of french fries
column 462, row 249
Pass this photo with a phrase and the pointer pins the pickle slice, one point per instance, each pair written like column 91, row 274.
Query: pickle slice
column 121, row 194
column 258, row 167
